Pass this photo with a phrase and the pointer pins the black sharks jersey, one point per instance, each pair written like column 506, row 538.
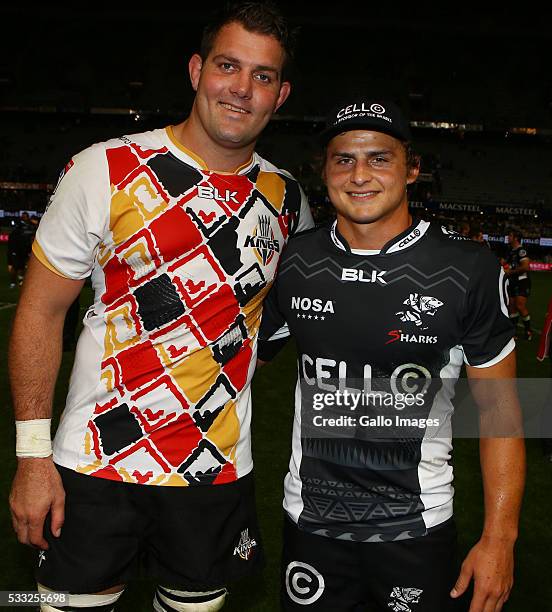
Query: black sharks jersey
column 399, row 320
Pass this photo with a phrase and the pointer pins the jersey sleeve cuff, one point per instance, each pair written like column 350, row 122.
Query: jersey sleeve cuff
column 503, row 353
column 38, row 252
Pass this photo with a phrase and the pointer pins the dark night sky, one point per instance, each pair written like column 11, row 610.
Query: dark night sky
column 466, row 65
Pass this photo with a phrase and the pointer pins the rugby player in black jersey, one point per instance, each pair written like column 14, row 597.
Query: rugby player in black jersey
column 377, row 302
column 519, row 286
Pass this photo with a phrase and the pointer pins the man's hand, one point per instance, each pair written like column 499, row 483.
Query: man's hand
column 36, row 490
column 491, row 564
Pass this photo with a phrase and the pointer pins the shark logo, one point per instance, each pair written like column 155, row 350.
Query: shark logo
column 263, row 241
column 418, row 307
column 402, row 597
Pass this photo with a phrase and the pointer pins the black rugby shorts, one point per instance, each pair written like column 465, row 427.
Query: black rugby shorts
column 520, row 288
column 329, row 575
column 194, row 538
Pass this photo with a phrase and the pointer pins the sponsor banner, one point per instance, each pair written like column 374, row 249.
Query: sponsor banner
column 457, row 207
column 472, row 207
column 543, row 242
column 514, row 210
column 411, row 404
column 4, row 237
column 537, row 266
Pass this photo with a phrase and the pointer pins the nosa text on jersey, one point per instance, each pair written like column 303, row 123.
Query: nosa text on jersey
column 361, row 276
column 315, row 305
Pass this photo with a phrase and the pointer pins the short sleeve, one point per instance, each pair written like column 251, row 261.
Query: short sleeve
column 77, row 216
column 487, row 329
column 305, row 220
column 274, row 331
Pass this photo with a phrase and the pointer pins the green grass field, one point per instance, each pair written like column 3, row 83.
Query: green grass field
column 272, row 395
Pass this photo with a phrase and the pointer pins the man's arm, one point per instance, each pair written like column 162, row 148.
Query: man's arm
column 522, row 267
column 34, row 359
column 491, row 561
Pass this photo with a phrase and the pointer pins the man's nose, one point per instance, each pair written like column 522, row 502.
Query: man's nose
column 361, row 173
column 242, row 85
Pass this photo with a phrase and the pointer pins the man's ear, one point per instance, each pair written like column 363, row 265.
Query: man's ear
column 412, row 173
column 285, row 90
column 194, row 68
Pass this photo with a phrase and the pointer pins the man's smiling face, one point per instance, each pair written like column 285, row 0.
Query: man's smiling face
column 366, row 175
column 238, row 86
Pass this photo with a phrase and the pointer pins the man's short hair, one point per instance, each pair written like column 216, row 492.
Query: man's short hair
column 262, row 17
column 413, row 159
column 516, row 234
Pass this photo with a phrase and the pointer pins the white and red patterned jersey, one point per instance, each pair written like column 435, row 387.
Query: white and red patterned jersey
column 180, row 260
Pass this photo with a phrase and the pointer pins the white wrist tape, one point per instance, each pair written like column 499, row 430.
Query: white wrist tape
column 33, row 438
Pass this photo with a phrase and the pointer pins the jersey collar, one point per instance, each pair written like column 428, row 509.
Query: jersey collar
column 403, row 241
column 194, row 160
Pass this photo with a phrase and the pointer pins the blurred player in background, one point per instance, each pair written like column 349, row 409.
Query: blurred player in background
column 181, row 230
column 519, row 286
column 476, row 234
column 464, row 229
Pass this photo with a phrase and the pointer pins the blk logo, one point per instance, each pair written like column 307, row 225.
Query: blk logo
column 361, row 276
column 208, row 192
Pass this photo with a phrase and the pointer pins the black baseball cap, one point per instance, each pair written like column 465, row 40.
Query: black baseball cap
column 366, row 114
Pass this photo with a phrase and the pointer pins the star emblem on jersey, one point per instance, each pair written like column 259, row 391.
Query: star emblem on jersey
column 402, row 597
column 418, row 308
column 263, row 241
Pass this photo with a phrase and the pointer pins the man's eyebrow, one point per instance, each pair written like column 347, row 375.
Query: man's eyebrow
column 342, row 154
column 368, row 153
column 381, row 152
column 235, row 60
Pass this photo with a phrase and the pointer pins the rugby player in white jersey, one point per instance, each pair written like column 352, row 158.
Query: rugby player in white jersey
column 181, row 230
